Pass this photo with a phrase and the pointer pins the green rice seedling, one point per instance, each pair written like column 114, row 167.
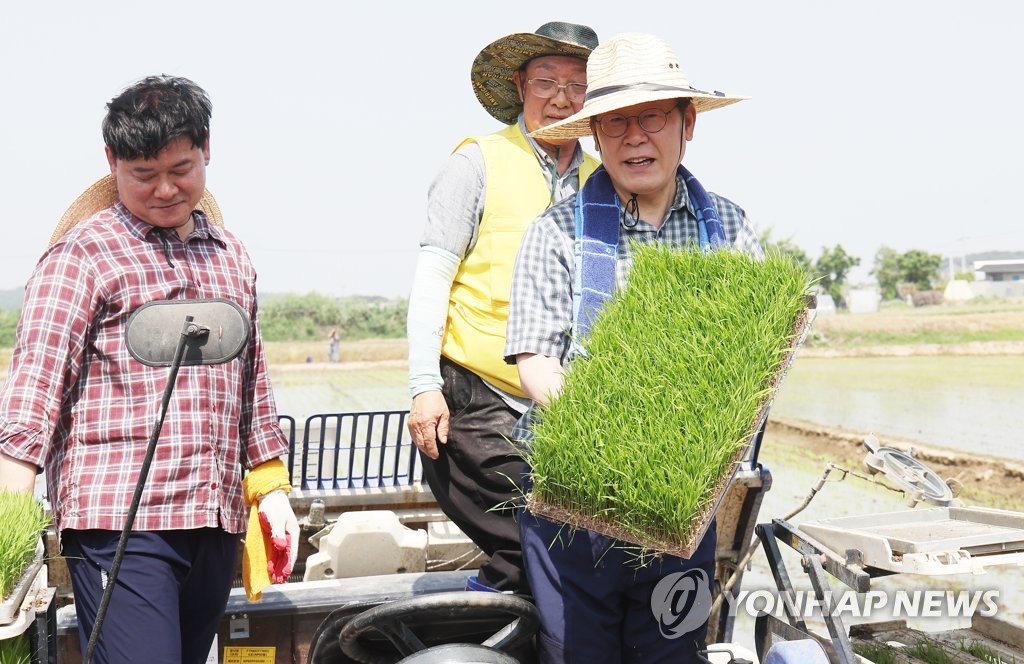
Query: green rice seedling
column 15, row 650
column 681, row 365
column 931, row 652
column 983, row 652
column 879, row 653
column 21, row 521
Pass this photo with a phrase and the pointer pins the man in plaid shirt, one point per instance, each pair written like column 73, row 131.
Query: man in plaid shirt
column 77, row 404
column 595, row 602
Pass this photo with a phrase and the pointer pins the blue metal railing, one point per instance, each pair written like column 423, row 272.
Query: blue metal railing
column 370, row 449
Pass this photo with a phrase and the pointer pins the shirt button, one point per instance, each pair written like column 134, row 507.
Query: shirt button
column 213, row 486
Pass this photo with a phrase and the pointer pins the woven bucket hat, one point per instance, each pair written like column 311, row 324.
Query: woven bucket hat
column 632, row 68
column 103, row 193
column 493, row 67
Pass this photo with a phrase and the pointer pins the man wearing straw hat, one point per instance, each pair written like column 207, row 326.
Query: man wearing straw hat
column 79, row 405
column 595, row 601
column 465, row 398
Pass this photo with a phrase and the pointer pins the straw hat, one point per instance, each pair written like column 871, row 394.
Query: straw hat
column 102, row 195
column 632, row 68
column 492, row 69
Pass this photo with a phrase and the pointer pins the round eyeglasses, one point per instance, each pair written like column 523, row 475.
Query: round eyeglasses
column 651, row 120
column 546, row 88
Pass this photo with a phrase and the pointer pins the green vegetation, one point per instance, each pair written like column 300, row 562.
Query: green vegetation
column 861, row 338
column 879, row 653
column 927, row 651
column 931, row 652
column 21, row 521
column 310, row 317
column 8, row 327
column 915, row 268
column 680, row 362
column 832, row 267
column 15, row 650
column 983, row 652
column 307, row 317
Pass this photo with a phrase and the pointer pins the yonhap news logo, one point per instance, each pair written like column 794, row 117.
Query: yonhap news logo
column 681, row 602
column 892, row 604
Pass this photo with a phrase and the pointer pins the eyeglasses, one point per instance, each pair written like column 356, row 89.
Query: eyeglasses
column 545, row 88
column 651, row 120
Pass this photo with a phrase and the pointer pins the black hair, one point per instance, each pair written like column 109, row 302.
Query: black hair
column 147, row 116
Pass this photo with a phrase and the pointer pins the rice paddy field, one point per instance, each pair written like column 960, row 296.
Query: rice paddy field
column 302, row 390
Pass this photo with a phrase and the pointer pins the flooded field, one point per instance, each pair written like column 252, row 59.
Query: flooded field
column 303, row 390
column 966, row 403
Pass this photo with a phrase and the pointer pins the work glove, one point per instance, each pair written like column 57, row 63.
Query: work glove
column 272, row 533
column 279, row 523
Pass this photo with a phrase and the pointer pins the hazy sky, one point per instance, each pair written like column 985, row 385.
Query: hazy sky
column 871, row 122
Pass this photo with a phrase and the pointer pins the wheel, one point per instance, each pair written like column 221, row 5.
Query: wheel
column 324, row 647
column 495, row 620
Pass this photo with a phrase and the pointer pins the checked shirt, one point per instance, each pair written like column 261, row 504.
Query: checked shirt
column 77, row 403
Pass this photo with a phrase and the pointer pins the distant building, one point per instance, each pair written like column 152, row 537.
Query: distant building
column 825, row 305
column 958, row 290
column 999, row 270
column 863, row 300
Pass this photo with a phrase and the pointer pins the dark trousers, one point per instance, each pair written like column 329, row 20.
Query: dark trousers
column 597, row 603
column 476, row 474
column 170, row 594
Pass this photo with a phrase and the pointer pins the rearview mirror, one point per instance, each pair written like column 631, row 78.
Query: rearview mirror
column 217, row 332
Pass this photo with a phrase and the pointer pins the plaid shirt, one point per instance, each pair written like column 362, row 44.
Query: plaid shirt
column 540, row 310
column 76, row 403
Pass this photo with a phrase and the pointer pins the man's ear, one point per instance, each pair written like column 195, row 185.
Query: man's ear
column 206, row 151
column 690, row 117
column 593, row 134
column 111, row 159
column 517, row 78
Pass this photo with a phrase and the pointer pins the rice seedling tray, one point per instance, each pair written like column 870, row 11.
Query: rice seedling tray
column 649, row 541
column 11, row 606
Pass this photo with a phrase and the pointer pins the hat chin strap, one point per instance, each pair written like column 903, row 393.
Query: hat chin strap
column 631, row 212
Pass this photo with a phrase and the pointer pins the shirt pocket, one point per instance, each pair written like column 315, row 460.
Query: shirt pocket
column 503, row 240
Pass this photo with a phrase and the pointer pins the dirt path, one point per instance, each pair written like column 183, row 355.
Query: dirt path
column 905, row 350
column 989, row 481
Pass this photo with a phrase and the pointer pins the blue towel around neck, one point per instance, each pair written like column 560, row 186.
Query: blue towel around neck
column 597, row 244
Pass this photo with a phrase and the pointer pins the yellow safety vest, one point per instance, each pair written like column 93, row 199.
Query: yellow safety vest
column 517, row 192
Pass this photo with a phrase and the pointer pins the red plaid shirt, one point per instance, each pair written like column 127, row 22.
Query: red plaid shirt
column 76, row 403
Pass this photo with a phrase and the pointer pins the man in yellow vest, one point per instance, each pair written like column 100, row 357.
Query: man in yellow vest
column 465, row 398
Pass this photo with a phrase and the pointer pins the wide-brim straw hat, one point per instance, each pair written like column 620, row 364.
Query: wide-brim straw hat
column 492, row 69
column 103, row 193
column 632, row 68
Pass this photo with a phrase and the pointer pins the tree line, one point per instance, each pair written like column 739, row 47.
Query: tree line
column 896, row 273
column 302, row 318
column 311, row 316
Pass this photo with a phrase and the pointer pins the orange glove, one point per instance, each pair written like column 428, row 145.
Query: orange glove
column 272, row 538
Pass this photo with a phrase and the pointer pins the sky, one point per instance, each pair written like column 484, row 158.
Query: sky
column 870, row 123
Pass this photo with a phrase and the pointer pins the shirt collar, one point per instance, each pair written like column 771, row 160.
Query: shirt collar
column 203, row 228
column 682, row 200
column 542, row 156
